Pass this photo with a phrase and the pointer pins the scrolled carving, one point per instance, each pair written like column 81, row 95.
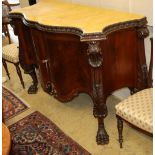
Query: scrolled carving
column 94, row 54
column 48, row 87
column 143, row 32
column 53, row 92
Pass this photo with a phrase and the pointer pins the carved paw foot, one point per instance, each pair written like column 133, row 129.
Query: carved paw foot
column 102, row 137
column 32, row 89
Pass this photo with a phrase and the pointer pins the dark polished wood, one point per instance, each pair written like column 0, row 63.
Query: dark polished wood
column 19, row 74
column 71, row 62
column 150, row 77
column 120, row 130
column 120, row 122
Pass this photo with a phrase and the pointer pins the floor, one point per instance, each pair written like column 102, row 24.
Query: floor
column 75, row 118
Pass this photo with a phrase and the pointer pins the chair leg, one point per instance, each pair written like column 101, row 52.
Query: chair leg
column 19, row 74
column 7, row 33
column 120, row 129
column 6, row 68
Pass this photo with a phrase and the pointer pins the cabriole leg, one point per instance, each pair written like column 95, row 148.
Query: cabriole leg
column 95, row 60
column 102, row 136
column 34, row 87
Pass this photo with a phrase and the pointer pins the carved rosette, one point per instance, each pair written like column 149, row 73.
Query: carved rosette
column 94, row 54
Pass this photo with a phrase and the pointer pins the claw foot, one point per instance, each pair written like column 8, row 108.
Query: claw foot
column 32, row 89
column 102, row 137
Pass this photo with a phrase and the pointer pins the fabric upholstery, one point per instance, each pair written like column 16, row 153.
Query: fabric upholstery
column 10, row 52
column 137, row 109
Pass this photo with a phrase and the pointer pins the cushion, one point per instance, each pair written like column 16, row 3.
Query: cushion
column 10, row 52
column 137, row 109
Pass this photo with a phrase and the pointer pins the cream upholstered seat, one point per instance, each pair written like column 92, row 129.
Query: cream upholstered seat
column 10, row 53
column 137, row 110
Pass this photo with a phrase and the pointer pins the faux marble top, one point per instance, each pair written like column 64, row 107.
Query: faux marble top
column 87, row 18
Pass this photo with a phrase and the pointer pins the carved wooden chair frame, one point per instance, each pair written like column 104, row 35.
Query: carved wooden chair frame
column 17, row 69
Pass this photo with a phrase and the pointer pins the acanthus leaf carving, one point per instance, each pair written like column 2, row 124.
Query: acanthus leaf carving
column 94, row 53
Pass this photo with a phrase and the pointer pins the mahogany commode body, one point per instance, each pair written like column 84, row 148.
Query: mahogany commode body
column 72, row 62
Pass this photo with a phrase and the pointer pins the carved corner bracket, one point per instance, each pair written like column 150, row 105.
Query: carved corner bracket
column 143, row 32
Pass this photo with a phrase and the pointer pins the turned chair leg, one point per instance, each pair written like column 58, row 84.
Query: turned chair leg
column 19, row 74
column 6, row 68
column 120, row 130
column 6, row 32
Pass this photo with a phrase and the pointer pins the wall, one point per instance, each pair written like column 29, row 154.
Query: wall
column 144, row 7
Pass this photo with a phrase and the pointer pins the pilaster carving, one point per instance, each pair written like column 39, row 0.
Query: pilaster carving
column 95, row 60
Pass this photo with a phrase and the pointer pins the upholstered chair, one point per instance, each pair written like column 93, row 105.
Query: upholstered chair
column 136, row 110
column 10, row 53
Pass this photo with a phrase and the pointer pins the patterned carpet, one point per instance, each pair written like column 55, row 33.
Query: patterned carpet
column 11, row 104
column 37, row 135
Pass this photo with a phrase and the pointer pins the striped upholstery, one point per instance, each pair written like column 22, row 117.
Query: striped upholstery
column 137, row 109
column 10, row 52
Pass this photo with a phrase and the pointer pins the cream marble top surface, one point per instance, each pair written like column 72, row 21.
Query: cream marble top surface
column 87, row 18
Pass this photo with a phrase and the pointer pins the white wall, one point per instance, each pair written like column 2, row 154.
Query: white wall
column 144, row 7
